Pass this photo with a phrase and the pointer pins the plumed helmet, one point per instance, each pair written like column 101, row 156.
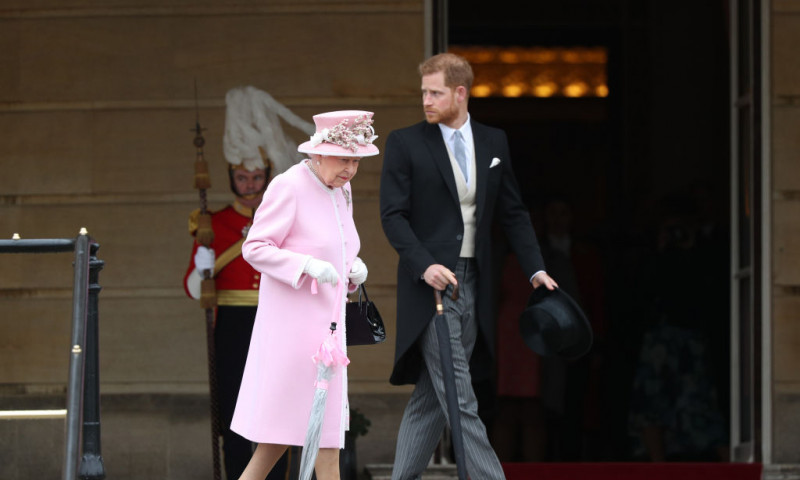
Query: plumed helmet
column 253, row 131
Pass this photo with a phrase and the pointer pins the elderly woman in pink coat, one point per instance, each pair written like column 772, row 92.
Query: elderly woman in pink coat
column 305, row 243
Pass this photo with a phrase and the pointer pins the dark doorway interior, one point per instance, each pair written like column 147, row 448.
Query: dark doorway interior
column 645, row 173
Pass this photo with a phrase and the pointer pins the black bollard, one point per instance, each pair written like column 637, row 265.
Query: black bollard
column 91, row 467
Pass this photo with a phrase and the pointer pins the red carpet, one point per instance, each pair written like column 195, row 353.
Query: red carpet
column 632, row 471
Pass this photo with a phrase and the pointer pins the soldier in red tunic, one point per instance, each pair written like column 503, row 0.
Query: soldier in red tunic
column 252, row 133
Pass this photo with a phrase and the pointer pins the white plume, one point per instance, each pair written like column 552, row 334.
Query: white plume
column 252, row 120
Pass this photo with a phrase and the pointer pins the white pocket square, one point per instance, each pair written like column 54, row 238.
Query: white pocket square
column 495, row 162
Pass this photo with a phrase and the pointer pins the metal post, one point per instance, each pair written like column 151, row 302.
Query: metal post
column 91, row 467
column 77, row 358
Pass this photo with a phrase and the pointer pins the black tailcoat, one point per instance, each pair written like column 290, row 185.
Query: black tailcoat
column 421, row 216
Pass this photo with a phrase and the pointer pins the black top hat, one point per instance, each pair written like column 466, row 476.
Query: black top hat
column 554, row 324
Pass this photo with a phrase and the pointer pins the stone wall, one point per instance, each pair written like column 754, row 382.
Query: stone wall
column 785, row 118
column 97, row 102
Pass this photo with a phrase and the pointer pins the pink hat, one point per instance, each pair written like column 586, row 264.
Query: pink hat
column 346, row 133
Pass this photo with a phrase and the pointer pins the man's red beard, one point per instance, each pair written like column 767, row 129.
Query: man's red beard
column 442, row 117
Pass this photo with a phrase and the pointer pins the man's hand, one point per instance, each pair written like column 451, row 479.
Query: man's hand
column 439, row 277
column 358, row 272
column 323, row 271
column 204, row 259
column 543, row 278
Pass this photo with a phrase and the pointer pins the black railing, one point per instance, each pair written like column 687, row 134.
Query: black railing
column 83, row 392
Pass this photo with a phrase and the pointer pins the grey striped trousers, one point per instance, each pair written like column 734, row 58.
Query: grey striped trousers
column 426, row 413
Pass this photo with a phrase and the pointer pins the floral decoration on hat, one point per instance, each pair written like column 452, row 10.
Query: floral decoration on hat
column 345, row 133
column 361, row 133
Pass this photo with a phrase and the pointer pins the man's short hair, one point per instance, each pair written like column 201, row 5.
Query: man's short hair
column 457, row 70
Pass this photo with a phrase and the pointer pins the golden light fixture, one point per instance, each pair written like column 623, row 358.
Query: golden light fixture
column 514, row 90
column 571, row 72
column 546, row 89
column 576, row 89
column 481, row 90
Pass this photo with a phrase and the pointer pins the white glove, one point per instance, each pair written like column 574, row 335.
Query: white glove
column 358, row 272
column 204, row 259
column 322, row 271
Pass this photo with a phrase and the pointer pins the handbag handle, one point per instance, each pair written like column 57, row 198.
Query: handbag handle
column 362, row 290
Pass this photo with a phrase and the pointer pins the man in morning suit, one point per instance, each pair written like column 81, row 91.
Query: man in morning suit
column 444, row 182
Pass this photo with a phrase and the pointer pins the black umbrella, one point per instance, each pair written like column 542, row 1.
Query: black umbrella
column 449, row 377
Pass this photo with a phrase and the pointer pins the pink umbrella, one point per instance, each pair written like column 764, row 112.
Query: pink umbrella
column 328, row 357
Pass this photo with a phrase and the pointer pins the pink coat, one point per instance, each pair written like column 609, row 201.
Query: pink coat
column 298, row 218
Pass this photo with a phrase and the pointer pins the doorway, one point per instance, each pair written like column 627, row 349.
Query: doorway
column 645, row 174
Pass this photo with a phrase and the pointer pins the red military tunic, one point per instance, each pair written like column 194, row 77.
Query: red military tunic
column 237, row 282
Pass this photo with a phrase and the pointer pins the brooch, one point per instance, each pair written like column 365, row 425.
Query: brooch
column 346, row 197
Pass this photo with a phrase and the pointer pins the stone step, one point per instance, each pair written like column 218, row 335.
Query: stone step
column 383, row 471
column 158, row 436
column 31, row 448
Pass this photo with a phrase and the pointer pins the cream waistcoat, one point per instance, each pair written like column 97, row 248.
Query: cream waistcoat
column 466, row 195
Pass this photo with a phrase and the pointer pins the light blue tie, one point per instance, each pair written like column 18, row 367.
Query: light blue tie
column 460, row 152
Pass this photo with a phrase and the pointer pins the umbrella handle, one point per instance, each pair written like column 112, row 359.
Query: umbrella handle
column 437, row 295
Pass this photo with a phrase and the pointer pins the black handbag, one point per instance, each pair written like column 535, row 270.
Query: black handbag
column 364, row 325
